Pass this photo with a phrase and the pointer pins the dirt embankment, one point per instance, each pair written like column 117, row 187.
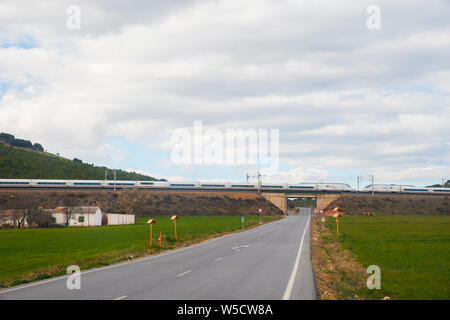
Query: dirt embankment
column 144, row 202
column 393, row 204
column 337, row 273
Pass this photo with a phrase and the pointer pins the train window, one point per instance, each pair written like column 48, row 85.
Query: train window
column 147, row 183
column 300, row 187
column 272, row 186
column 213, row 185
column 14, row 182
column 242, row 186
column 87, row 183
column 182, row 185
column 53, row 183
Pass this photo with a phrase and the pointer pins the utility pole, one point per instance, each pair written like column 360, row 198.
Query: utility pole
column 259, row 182
column 247, row 176
column 114, row 179
column 258, row 176
column 372, row 183
column 443, row 182
column 358, row 180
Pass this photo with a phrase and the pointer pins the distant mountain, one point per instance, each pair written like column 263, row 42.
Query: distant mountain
column 20, row 159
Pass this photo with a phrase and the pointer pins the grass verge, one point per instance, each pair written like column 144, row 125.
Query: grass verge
column 413, row 253
column 337, row 273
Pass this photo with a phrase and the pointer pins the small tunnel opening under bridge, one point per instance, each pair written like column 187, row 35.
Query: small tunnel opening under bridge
column 280, row 199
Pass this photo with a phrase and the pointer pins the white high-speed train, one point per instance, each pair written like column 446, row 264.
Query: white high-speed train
column 121, row 184
column 394, row 188
column 48, row 183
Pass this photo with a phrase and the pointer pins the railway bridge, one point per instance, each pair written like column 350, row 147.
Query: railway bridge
column 279, row 198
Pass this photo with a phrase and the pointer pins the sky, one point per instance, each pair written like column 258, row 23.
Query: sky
column 112, row 82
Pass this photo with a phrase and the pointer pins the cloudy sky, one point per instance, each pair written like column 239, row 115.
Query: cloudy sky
column 347, row 100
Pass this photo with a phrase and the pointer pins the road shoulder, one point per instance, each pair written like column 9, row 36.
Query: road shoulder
column 337, row 273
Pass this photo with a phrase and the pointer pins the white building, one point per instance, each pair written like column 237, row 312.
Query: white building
column 74, row 216
column 78, row 216
column 117, row 218
column 90, row 216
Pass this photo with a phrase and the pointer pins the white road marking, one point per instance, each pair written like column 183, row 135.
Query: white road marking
column 218, row 259
column 121, row 298
column 244, row 246
column 287, row 292
column 184, row 273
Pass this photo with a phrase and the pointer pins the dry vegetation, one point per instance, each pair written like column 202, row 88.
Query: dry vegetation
column 394, row 204
column 146, row 202
column 337, row 274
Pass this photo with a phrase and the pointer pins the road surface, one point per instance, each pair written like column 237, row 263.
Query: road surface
column 269, row 262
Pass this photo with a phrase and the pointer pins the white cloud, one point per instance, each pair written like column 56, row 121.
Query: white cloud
column 342, row 96
column 389, row 174
column 298, row 175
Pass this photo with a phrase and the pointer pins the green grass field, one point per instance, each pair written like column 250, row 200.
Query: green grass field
column 413, row 253
column 31, row 254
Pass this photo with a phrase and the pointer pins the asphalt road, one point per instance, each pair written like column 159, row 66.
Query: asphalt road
column 269, row 262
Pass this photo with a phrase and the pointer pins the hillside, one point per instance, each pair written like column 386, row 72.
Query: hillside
column 20, row 163
column 394, row 204
column 144, row 202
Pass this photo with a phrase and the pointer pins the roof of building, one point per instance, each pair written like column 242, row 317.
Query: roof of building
column 78, row 210
column 59, row 209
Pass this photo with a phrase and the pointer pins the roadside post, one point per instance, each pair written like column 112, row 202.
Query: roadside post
column 160, row 239
column 337, row 226
column 260, row 211
column 242, row 220
column 337, row 215
column 151, row 222
column 174, row 219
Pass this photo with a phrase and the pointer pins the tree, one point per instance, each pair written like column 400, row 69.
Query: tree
column 38, row 147
column 77, row 160
column 446, row 185
column 70, row 203
column 24, row 203
column 6, row 137
column 39, row 218
column 19, row 216
column 22, row 143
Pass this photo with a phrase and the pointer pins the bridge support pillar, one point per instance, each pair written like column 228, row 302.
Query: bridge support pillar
column 278, row 199
column 325, row 199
